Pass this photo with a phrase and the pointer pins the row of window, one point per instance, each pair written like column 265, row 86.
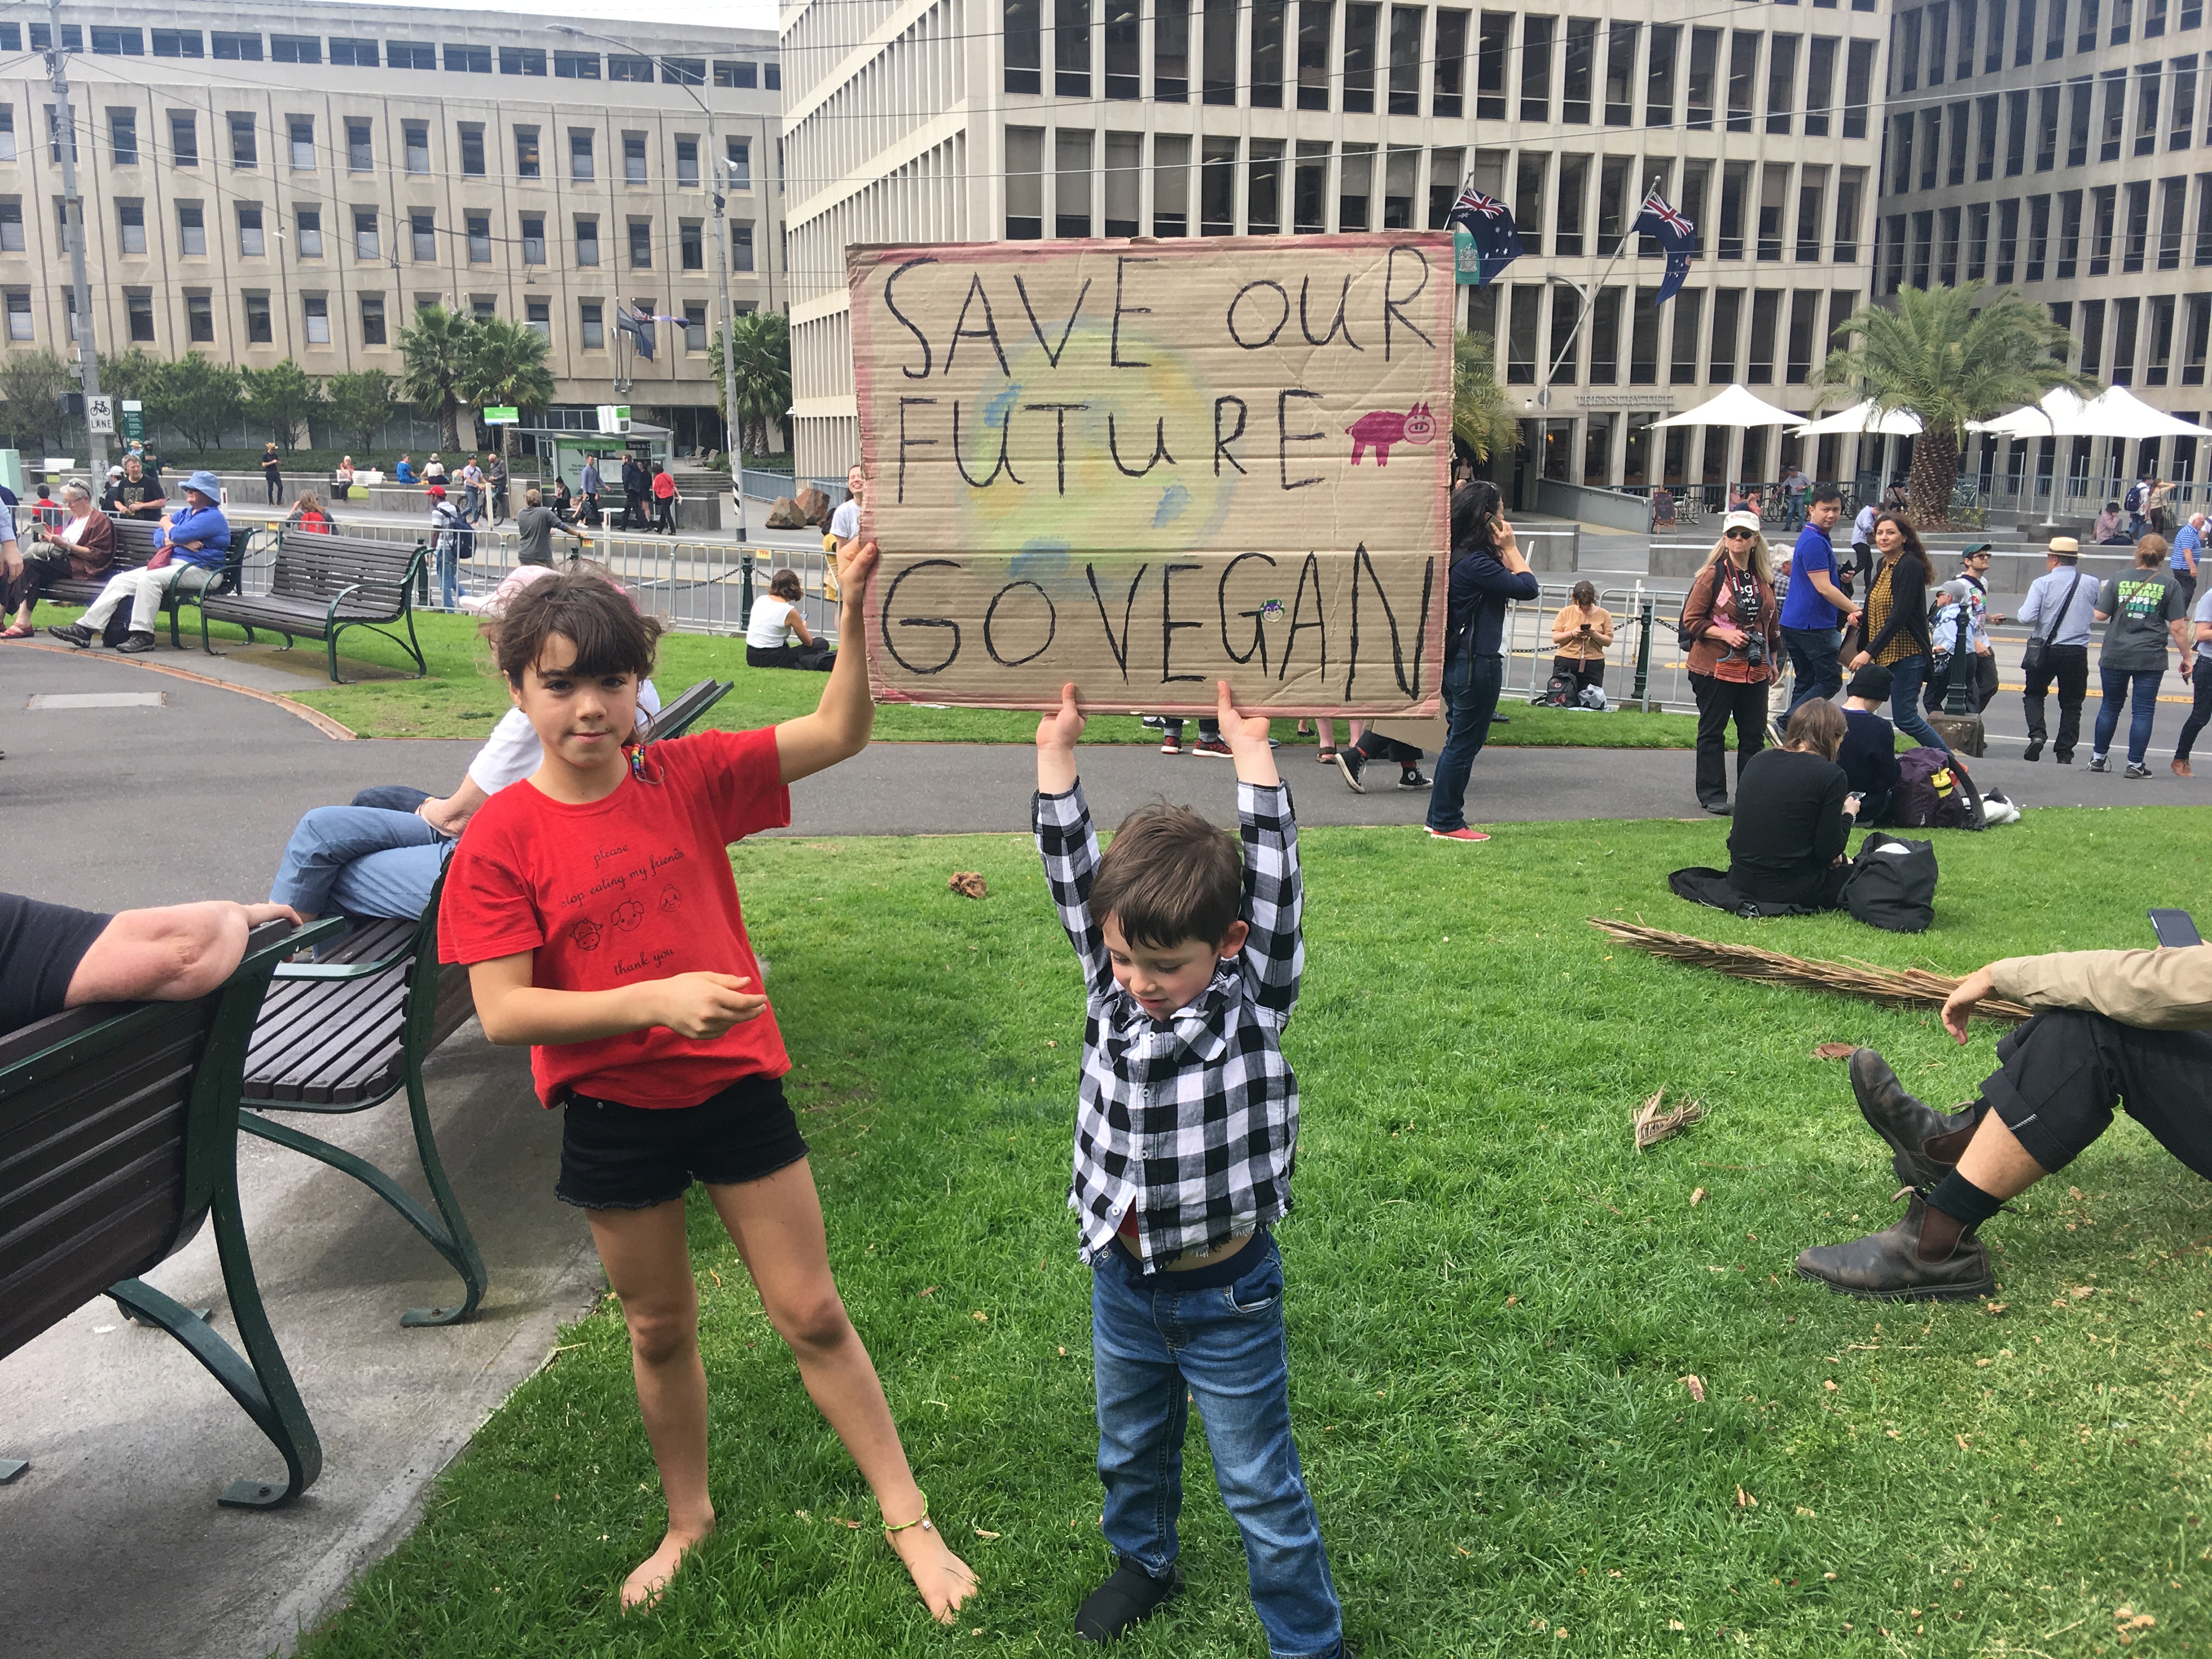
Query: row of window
column 354, row 53
column 260, row 319
column 1558, row 59
column 1951, row 37
column 2091, row 114
column 1748, row 327
column 1765, row 212
column 302, row 154
column 2141, row 226
column 421, row 230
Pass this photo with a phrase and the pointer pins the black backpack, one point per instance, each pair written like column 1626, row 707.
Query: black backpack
column 1559, row 692
column 2134, row 499
column 1893, row 884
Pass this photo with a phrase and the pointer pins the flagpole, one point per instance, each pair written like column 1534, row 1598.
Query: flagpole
column 1581, row 314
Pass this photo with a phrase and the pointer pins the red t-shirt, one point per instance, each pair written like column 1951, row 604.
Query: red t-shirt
column 664, row 485
column 633, row 887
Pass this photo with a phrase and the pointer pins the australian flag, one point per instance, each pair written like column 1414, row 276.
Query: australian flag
column 636, row 322
column 1675, row 235
column 1490, row 222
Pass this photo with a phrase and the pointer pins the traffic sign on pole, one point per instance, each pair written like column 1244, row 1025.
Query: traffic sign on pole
column 99, row 413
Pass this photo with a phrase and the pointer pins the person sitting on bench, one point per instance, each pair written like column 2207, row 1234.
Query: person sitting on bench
column 54, row 956
column 380, row 857
column 195, row 546
column 2128, row 1027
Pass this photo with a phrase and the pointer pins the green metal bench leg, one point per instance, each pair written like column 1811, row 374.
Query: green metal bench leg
column 263, row 1387
column 446, row 1232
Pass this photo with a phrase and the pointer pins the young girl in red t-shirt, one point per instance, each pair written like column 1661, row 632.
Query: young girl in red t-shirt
column 594, row 906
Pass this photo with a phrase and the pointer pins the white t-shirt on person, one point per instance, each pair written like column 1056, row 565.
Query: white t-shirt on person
column 769, row 625
column 845, row 522
column 512, row 752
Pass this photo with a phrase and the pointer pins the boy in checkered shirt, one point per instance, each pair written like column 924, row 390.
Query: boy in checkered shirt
column 1184, row 1140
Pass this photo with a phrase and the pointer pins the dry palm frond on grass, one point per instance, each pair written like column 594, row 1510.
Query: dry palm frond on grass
column 1911, row 987
column 1653, row 1124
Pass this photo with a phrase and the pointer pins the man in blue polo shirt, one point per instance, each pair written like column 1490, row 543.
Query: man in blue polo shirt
column 1816, row 610
column 2188, row 549
column 194, row 546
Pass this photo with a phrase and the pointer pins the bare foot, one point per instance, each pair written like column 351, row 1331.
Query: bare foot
column 944, row 1579
column 643, row 1587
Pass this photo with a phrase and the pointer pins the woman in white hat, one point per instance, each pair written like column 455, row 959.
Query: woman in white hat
column 1734, row 629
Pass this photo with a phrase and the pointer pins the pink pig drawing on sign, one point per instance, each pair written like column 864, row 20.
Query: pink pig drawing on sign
column 1383, row 427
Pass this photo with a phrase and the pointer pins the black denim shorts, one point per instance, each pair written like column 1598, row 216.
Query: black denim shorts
column 615, row 1157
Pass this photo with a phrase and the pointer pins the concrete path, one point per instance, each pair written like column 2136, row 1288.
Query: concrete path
column 113, row 1541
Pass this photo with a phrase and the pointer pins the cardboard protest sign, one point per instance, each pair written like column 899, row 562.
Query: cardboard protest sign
column 1143, row 466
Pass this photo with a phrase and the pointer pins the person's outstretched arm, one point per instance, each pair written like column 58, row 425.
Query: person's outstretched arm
column 1059, row 819
column 838, row 729
column 171, row 954
column 1274, row 956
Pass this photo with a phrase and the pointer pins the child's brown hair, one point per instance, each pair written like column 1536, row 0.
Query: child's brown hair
column 584, row 606
column 1169, row 875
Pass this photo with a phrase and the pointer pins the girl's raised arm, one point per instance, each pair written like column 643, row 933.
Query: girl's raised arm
column 838, row 728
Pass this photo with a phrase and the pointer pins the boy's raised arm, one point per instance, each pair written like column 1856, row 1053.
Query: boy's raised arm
column 1065, row 839
column 838, row 728
column 1274, row 948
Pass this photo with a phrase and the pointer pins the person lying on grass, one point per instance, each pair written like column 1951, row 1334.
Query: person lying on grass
column 2110, row 1027
column 594, row 906
column 1184, row 1138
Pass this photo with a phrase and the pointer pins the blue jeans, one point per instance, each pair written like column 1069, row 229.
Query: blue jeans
column 1906, row 674
column 1470, row 698
column 448, row 559
column 2118, row 683
column 1813, row 660
column 361, row 861
column 1154, row 1351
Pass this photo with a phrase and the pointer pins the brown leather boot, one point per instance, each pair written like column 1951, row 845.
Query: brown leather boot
column 1924, row 1143
column 1887, row 1266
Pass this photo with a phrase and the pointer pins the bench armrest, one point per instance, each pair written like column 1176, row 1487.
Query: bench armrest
column 341, row 970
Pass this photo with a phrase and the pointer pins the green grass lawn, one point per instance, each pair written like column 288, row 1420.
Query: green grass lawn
column 1492, row 1296
column 463, row 695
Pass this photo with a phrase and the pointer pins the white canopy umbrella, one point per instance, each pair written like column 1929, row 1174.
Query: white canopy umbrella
column 1865, row 420
column 1733, row 407
column 2115, row 412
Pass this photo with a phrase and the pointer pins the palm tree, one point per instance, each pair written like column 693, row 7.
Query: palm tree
column 762, row 350
column 1950, row 358
column 1479, row 411
column 435, row 350
column 505, row 364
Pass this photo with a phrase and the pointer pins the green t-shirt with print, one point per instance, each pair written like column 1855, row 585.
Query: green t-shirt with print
column 2140, row 604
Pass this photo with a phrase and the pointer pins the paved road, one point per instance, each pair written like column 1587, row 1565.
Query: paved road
column 192, row 795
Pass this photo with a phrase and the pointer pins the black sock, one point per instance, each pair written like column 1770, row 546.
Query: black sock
column 1962, row 1200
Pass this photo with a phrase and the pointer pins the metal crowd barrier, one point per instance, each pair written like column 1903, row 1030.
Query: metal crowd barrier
column 1645, row 665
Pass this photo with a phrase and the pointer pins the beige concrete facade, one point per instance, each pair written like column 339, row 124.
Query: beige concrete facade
column 973, row 120
column 252, row 204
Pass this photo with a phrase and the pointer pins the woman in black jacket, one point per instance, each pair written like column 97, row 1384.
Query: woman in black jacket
column 1793, row 816
column 1895, row 625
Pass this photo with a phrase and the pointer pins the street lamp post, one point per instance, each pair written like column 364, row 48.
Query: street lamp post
column 87, row 343
column 721, row 270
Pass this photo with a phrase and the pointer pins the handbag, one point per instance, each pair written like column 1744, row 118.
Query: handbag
column 2035, row 656
column 1893, row 884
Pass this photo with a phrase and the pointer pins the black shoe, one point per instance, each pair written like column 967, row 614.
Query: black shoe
column 75, row 633
column 137, row 644
column 1903, row 1121
column 2064, row 757
column 1352, row 763
column 1886, row 1266
column 1125, row 1601
column 1413, row 779
column 1719, row 808
column 2034, row 751
column 2096, row 763
column 1499, row 719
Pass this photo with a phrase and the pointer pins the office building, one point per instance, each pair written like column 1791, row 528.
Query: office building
column 2062, row 147
column 926, row 120
column 294, row 182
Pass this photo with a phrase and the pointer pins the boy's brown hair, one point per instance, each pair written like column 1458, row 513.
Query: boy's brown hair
column 584, row 606
column 1170, row 875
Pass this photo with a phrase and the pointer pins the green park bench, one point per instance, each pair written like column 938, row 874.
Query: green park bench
column 321, row 586
column 134, row 545
column 351, row 1030
column 119, row 1137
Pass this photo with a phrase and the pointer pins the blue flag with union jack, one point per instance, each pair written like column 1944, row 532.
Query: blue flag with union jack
column 1490, row 222
column 1676, row 237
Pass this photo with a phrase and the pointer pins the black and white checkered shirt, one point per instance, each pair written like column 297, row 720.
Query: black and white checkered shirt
column 1192, row 1120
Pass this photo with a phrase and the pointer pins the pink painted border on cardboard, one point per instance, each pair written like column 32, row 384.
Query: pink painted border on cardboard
column 862, row 258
